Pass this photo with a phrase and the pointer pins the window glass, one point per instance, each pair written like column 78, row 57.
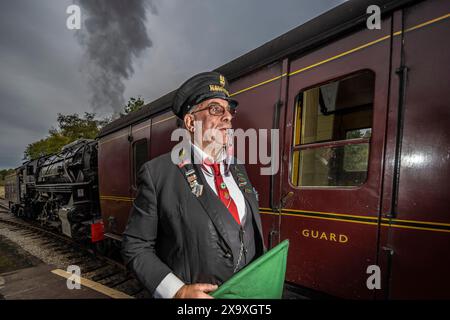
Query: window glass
column 140, row 153
column 333, row 126
column 356, row 156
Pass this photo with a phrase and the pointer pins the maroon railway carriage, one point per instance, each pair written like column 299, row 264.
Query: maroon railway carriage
column 363, row 118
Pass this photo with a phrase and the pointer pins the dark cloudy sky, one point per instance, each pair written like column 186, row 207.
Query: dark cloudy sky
column 46, row 68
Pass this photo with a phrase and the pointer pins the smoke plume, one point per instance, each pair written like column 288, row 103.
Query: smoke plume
column 113, row 33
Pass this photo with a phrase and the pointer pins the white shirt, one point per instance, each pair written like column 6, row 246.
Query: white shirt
column 171, row 283
column 233, row 189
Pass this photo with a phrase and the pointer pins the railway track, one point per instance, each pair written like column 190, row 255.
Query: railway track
column 93, row 266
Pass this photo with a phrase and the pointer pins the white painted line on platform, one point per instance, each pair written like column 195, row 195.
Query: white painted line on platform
column 94, row 286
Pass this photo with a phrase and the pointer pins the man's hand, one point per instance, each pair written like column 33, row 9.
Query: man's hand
column 198, row 290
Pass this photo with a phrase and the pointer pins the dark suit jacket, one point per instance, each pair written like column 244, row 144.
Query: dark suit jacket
column 172, row 230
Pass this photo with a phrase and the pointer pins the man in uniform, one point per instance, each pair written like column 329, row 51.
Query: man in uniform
column 194, row 223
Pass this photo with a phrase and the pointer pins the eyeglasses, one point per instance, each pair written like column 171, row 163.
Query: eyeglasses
column 217, row 110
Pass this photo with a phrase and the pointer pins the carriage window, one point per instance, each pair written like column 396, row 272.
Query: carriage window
column 140, row 153
column 333, row 126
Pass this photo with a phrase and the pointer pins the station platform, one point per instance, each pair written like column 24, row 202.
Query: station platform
column 39, row 282
column 25, row 277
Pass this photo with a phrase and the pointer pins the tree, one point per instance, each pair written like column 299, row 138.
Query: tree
column 3, row 174
column 133, row 105
column 70, row 128
column 74, row 127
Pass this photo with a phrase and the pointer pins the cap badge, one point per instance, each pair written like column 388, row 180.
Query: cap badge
column 216, row 88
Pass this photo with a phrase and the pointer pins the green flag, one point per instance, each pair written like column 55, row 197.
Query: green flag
column 261, row 279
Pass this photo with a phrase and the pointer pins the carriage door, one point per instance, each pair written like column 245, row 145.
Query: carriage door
column 335, row 120
column 139, row 151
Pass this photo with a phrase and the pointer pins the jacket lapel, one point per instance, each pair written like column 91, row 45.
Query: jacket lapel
column 248, row 191
column 208, row 200
column 212, row 204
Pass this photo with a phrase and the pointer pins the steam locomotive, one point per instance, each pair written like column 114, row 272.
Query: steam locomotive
column 363, row 117
column 60, row 191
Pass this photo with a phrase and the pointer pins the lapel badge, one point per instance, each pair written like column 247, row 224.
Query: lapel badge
column 256, row 194
column 197, row 189
column 191, row 178
column 182, row 153
column 183, row 160
column 242, row 181
column 182, row 163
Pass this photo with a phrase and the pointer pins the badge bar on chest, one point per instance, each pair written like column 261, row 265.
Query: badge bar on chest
column 196, row 188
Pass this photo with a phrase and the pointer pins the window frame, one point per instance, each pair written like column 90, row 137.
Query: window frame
column 135, row 172
column 316, row 145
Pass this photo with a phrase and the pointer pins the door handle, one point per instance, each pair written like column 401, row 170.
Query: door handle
column 284, row 199
column 271, row 234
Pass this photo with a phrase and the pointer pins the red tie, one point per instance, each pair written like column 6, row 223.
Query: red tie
column 223, row 193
